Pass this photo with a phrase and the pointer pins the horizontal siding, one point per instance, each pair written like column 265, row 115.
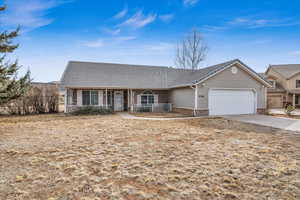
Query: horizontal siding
column 182, row 97
column 163, row 95
column 226, row 79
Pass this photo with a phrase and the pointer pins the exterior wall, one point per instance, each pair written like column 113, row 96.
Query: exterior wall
column 291, row 83
column 182, row 98
column 261, row 111
column 69, row 108
column 279, row 78
column 226, row 79
column 276, row 100
column 163, row 95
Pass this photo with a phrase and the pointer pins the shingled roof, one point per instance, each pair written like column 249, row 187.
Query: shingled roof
column 93, row 75
column 287, row 70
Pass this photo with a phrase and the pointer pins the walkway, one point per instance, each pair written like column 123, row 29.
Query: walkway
column 270, row 121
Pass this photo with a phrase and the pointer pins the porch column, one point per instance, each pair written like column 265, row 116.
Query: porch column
column 111, row 99
column 106, row 103
column 66, row 96
column 131, row 100
column 294, row 100
column 196, row 100
column 128, row 99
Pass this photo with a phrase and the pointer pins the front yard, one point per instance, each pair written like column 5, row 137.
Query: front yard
column 56, row 157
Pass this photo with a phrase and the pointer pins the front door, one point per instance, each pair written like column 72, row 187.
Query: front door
column 118, row 101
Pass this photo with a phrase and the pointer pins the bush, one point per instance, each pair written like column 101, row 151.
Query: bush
column 289, row 109
column 38, row 100
column 92, row 110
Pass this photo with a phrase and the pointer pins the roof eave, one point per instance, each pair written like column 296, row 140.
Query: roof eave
column 249, row 70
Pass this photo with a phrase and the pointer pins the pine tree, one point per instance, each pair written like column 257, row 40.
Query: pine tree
column 11, row 87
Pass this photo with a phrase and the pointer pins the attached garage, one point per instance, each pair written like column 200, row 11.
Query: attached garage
column 231, row 101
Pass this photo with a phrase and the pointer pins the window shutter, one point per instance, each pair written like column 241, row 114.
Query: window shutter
column 100, row 96
column 156, row 99
column 139, row 100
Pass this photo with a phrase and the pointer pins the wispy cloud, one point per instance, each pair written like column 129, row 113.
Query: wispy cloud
column 29, row 14
column 162, row 46
column 112, row 31
column 190, row 2
column 139, row 20
column 121, row 14
column 262, row 22
column 166, row 18
column 295, row 53
column 209, row 28
column 94, row 44
column 251, row 23
column 107, row 41
column 124, row 38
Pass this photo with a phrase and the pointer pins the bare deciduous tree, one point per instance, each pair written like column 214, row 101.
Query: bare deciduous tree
column 191, row 51
column 38, row 100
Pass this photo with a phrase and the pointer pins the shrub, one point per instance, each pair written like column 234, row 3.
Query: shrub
column 39, row 99
column 289, row 109
column 92, row 110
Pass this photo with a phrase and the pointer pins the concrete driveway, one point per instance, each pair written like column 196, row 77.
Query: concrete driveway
column 270, row 121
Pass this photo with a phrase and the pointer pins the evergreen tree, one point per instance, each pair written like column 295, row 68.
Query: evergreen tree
column 11, row 87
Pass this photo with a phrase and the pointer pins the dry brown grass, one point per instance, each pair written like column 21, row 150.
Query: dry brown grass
column 160, row 115
column 106, row 157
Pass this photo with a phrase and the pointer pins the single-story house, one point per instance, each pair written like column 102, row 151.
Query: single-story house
column 223, row 89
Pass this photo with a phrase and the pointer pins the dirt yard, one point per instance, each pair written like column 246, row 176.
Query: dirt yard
column 57, row 157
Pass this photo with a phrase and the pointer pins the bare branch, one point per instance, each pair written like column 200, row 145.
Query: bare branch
column 191, row 51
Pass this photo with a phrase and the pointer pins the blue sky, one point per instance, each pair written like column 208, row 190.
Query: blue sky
column 259, row 32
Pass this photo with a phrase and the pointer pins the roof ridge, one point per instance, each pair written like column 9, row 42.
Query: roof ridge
column 106, row 63
column 281, row 65
column 157, row 66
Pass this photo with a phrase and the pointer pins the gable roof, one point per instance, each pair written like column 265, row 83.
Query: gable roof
column 286, row 70
column 110, row 75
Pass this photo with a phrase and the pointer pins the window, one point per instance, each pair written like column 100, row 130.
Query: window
column 297, row 83
column 273, row 83
column 86, row 97
column 147, row 98
column 71, row 97
column 90, row 97
column 94, row 98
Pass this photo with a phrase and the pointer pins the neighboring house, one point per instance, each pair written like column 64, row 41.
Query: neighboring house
column 285, row 80
column 227, row 88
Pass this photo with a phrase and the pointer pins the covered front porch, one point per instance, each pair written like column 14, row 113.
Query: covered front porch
column 294, row 98
column 131, row 100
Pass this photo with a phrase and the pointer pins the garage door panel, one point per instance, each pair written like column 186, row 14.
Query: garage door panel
column 231, row 102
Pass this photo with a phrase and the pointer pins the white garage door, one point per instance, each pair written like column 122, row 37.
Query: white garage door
column 231, row 102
